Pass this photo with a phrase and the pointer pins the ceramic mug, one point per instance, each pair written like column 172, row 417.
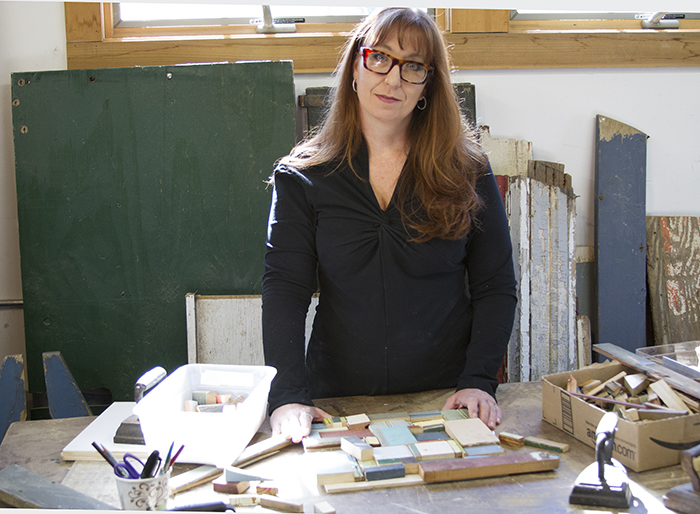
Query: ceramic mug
column 143, row 493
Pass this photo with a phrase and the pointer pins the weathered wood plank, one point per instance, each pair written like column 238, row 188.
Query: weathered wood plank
column 620, row 235
column 228, row 329
column 14, row 403
column 66, row 400
column 673, row 271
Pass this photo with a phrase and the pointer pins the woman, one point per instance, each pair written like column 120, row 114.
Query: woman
column 385, row 209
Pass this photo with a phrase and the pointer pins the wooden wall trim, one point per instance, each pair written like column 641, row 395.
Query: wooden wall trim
column 559, row 45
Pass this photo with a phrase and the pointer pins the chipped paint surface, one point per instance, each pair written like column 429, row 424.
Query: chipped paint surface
column 609, row 128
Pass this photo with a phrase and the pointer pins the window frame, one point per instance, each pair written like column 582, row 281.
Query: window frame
column 479, row 39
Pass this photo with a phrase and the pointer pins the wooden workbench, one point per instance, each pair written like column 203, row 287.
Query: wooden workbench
column 37, row 445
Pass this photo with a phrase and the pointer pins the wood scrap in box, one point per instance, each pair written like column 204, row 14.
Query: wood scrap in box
column 636, row 397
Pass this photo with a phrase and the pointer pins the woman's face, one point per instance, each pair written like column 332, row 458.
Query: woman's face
column 388, row 99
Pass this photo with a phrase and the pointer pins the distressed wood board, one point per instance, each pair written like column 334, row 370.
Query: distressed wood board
column 673, row 271
column 620, row 234
column 228, row 329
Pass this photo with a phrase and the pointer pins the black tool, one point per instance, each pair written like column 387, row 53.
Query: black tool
column 206, row 507
column 152, row 464
column 686, row 498
column 604, row 483
column 129, row 432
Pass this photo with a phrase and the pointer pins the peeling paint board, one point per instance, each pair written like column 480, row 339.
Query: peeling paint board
column 517, row 207
column 14, row 404
column 541, row 281
column 620, row 233
column 673, row 271
column 228, row 329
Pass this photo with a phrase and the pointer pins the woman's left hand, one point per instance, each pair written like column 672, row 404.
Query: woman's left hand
column 479, row 403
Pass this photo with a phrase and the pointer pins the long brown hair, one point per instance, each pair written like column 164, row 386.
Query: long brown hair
column 444, row 160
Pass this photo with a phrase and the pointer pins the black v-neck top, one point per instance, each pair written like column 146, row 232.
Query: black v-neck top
column 393, row 314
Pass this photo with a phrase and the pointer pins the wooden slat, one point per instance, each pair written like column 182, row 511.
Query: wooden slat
column 620, row 235
column 65, row 398
column 12, row 391
column 653, row 369
column 498, row 465
column 83, row 21
column 673, row 265
column 318, row 53
column 479, row 20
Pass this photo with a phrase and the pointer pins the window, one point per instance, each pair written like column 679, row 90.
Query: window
column 479, row 39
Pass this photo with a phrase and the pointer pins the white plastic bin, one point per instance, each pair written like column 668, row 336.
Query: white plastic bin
column 215, row 438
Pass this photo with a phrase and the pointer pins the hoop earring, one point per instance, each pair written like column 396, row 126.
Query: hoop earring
column 425, row 104
column 354, row 85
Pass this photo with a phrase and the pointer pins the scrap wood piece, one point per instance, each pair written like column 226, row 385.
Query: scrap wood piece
column 594, row 391
column 546, row 444
column 394, row 436
column 510, row 439
column 258, row 451
column 244, row 500
column 641, row 364
column 193, row 478
column 357, row 422
column 267, row 487
column 433, row 450
column 455, row 414
column 484, row 449
column 470, row 432
column 391, row 454
column 221, row 485
column 484, row 467
column 667, row 395
column 385, row 472
column 357, row 448
column 636, row 383
column 377, row 484
column 334, row 422
column 572, row 384
column 389, row 416
column 274, row 503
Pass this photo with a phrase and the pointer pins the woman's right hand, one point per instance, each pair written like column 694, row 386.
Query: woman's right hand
column 293, row 420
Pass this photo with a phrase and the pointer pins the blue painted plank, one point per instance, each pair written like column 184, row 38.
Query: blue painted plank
column 14, row 402
column 620, row 234
column 65, row 398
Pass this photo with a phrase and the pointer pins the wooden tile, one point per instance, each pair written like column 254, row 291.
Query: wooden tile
column 385, row 472
column 357, row 448
column 387, row 416
column 395, row 436
column 432, row 450
column 546, row 444
column 470, row 432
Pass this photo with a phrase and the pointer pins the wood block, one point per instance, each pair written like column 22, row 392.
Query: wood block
column 385, row 454
column 636, row 383
column 191, row 405
column 394, row 436
column 546, row 444
column 470, row 432
column 589, row 386
column 410, row 464
column 378, row 484
column 655, row 414
column 459, row 451
column 314, row 442
column 572, row 384
column 483, row 467
column 334, row 422
column 388, row 416
column 324, row 508
column 341, row 432
column 385, row 472
column 221, row 485
column 267, row 488
column 372, row 441
column 390, row 423
column 271, row 502
column 357, row 448
column 691, row 403
column 261, row 449
column 614, row 388
column 483, row 450
column 211, row 407
column 20, row 488
column 631, row 414
column 432, row 436
column 430, row 415
column 357, row 422
column 510, row 439
column 245, row 500
column 193, row 478
column 455, row 414
column 600, row 387
column 432, row 450
column 338, row 476
column 668, row 395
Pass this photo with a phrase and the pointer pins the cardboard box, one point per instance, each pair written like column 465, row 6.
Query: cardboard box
column 640, row 446
column 214, row 438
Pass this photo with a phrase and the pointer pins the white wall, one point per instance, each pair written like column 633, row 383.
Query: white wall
column 32, row 37
column 555, row 109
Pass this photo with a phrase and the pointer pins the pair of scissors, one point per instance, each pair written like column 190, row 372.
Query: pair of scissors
column 129, row 469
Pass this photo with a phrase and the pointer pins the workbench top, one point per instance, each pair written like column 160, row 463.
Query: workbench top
column 37, row 445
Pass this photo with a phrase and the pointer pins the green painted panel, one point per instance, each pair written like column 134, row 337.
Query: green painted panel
column 136, row 186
